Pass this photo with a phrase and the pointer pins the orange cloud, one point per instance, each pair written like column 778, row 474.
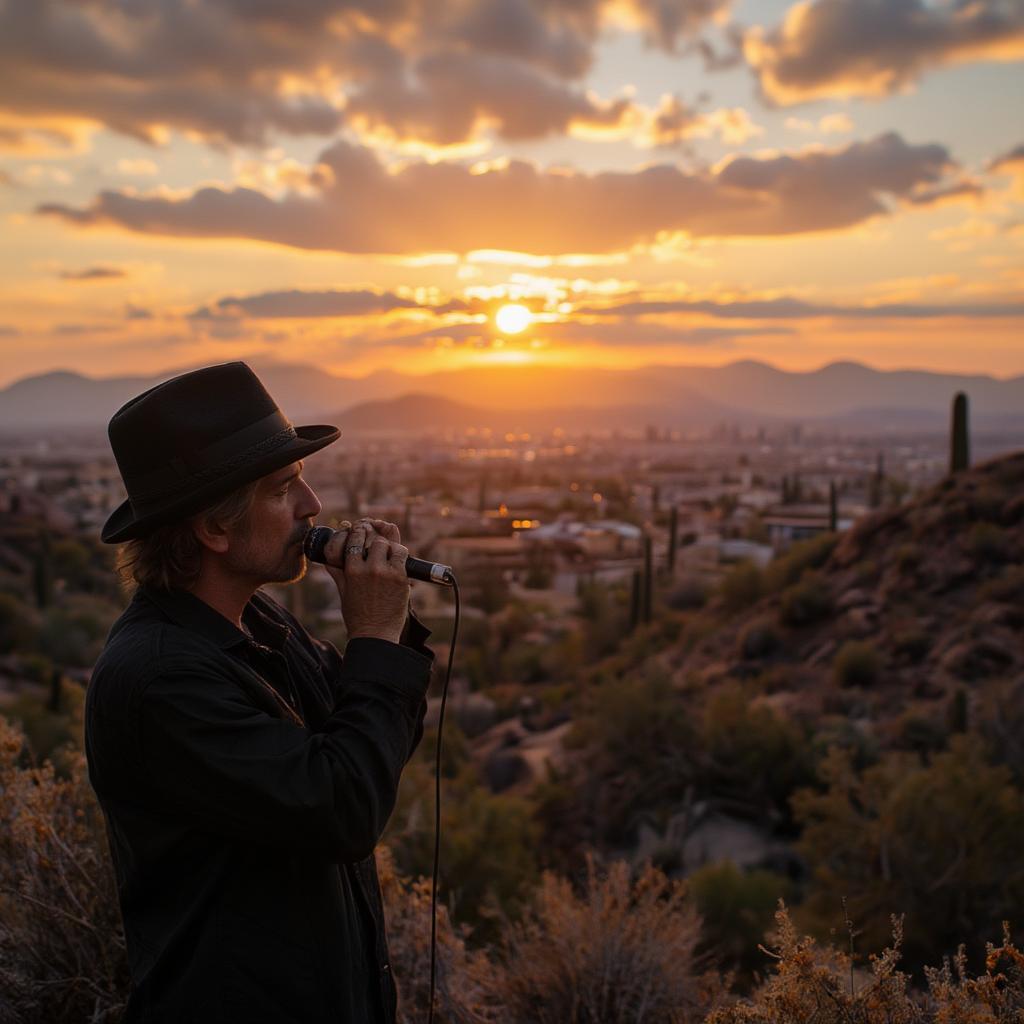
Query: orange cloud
column 359, row 207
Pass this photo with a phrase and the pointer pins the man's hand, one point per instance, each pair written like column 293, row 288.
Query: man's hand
column 371, row 580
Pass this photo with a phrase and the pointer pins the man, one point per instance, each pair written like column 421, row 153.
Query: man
column 246, row 770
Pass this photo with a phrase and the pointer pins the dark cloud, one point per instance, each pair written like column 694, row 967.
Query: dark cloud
column 6, row 331
column 241, row 70
column 454, row 92
column 74, row 330
column 360, row 207
column 132, row 312
column 834, row 48
column 788, row 308
column 295, row 303
column 92, row 274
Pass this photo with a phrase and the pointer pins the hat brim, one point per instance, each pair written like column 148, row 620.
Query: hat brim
column 122, row 524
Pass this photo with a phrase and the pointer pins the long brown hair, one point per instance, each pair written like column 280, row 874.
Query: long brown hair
column 170, row 558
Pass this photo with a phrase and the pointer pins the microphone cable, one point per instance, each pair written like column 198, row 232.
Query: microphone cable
column 437, row 805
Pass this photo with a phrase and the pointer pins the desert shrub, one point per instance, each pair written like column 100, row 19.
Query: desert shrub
column 805, row 602
column 51, row 735
column 812, row 553
column 758, row 639
column 750, row 753
column 922, row 733
column 62, row 954
column 19, row 625
column 912, row 644
column 462, row 975
column 736, row 909
column 938, row 842
column 817, row 985
column 636, row 740
column 617, row 953
column 687, row 594
column 1008, row 586
column 908, row 557
column 73, row 632
column 857, row 663
column 741, row 586
column 987, row 542
column 488, row 840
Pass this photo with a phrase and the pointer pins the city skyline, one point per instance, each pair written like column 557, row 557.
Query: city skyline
column 380, row 186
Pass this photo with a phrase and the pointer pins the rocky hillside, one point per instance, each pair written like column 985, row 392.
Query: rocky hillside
column 901, row 613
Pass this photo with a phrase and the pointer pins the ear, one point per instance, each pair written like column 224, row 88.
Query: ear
column 210, row 534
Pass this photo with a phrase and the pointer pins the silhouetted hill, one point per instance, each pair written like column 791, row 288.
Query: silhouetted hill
column 747, row 392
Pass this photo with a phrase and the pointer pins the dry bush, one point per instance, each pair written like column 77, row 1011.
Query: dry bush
column 462, row 976
column 813, row 985
column 62, row 955
column 620, row 952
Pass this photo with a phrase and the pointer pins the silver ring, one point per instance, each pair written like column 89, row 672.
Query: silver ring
column 353, row 549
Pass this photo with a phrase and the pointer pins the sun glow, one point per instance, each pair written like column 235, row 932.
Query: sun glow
column 513, row 318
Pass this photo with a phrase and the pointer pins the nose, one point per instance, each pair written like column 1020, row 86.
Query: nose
column 309, row 506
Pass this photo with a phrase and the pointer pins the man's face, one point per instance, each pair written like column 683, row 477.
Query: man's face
column 268, row 545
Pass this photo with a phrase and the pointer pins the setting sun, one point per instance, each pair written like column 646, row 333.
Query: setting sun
column 513, row 318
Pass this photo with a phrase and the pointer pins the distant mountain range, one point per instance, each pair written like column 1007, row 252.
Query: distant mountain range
column 847, row 395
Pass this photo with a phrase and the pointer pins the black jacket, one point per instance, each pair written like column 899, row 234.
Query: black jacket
column 245, row 783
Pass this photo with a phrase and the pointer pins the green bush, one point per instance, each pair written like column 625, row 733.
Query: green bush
column 913, row 644
column 741, row 586
column 758, row 639
column 939, row 842
column 812, row 553
column 687, row 594
column 857, row 664
column 805, row 602
column 19, row 625
column 987, row 542
column 750, row 753
column 737, row 909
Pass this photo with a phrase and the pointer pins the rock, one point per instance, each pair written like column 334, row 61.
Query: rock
column 504, row 768
column 852, row 598
column 474, row 712
column 978, row 659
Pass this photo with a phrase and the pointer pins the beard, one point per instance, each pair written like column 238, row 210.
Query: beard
column 253, row 560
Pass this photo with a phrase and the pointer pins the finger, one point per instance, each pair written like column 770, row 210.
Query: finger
column 388, row 530
column 334, row 549
column 377, row 553
column 398, row 555
column 355, row 546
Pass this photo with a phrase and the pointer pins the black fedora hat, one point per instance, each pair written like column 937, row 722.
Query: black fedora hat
column 186, row 443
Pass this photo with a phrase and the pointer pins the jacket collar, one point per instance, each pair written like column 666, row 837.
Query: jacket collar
column 192, row 613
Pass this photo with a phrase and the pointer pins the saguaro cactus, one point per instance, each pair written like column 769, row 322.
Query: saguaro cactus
column 634, row 601
column 648, row 594
column 959, row 445
column 673, row 539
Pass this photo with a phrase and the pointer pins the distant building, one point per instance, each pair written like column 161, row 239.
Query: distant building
column 787, row 524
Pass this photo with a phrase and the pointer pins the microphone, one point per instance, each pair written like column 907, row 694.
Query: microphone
column 415, row 568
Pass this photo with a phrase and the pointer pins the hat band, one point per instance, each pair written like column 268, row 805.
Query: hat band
column 222, row 457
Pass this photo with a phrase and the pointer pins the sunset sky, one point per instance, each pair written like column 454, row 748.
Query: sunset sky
column 363, row 184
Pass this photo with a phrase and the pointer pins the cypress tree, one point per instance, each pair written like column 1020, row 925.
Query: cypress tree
column 959, row 446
